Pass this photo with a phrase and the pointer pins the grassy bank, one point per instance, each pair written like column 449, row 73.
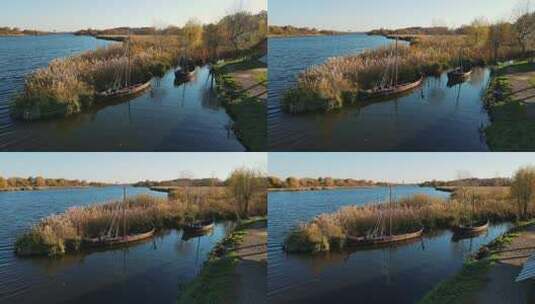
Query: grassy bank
column 248, row 112
column 331, row 85
column 214, row 284
column 512, row 129
column 461, row 287
column 328, row 231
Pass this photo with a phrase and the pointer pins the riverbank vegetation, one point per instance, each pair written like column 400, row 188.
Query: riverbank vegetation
column 14, row 31
column 245, row 98
column 338, row 81
column 291, row 31
column 469, row 182
column 318, row 183
column 497, row 204
column 38, row 182
column 68, row 86
column 243, row 197
column 512, row 126
column 215, row 282
column 473, row 276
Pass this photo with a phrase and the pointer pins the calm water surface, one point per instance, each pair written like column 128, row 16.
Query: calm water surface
column 400, row 274
column 149, row 272
column 168, row 118
column 434, row 118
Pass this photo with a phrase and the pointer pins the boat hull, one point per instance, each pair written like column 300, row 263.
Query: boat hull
column 364, row 241
column 396, row 90
column 124, row 92
column 199, row 228
column 469, row 230
column 118, row 241
column 459, row 75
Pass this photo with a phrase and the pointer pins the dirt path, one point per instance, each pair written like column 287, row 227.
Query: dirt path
column 248, row 80
column 500, row 285
column 523, row 87
column 251, row 272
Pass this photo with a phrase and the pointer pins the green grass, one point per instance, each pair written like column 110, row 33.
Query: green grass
column 214, row 285
column 511, row 129
column 249, row 113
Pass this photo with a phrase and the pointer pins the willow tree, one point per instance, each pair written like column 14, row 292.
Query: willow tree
column 244, row 184
column 524, row 26
column 523, row 190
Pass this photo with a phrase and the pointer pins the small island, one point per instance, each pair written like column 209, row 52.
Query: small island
column 14, row 31
column 293, row 31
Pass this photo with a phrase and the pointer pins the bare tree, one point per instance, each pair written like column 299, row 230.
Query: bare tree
column 524, row 25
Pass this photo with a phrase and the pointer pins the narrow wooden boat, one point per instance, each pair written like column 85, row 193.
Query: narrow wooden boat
column 471, row 229
column 391, row 90
column 383, row 240
column 124, row 92
column 117, row 241
column 459, row 74
column 199, row 226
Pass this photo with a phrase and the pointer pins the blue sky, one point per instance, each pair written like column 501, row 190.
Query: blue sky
column 70, row 15
column 397, row 167
column 127, row 167
column 362, row 15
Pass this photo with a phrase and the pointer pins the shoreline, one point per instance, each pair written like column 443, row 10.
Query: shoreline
column 220, row 273
column 313, row 189
column 473, row 277
column 31, row 188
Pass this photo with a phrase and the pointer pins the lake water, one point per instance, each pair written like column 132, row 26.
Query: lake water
column 435, row 117
column 400, row 274
column 168, row 118
column 148, row 272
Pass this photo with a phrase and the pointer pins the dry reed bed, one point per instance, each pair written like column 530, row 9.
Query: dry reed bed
column 328, row 231
column 63, row 233
column 68, row 85
column 332, row 84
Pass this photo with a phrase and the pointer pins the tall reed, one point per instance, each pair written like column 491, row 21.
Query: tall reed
column 328, row 231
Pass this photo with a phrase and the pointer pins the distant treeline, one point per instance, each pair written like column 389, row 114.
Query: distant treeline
column 470, row 182
column 182, row 182
column 436, row 30
column 289, row 30
column 40, row 182
column 327, row 182
column 232, row 33
column 14, row 31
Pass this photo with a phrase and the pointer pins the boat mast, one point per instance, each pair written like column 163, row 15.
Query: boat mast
column 124, row 211
column 391, row 207
column 396, row 64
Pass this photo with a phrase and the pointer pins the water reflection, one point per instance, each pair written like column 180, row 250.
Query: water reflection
column 402, row 273
column 434, row 117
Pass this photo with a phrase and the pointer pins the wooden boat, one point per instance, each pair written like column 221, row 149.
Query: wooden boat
column 459, row 74
column 378, row 237
column 462, row 72
column 199, row 226
column 116, row 234
column 391, row 90
column 471, row 229
column 383, row 240
column 123, row 86
column 125, row 91
column 390, row 84
column 117, row 241
column 182, row 75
